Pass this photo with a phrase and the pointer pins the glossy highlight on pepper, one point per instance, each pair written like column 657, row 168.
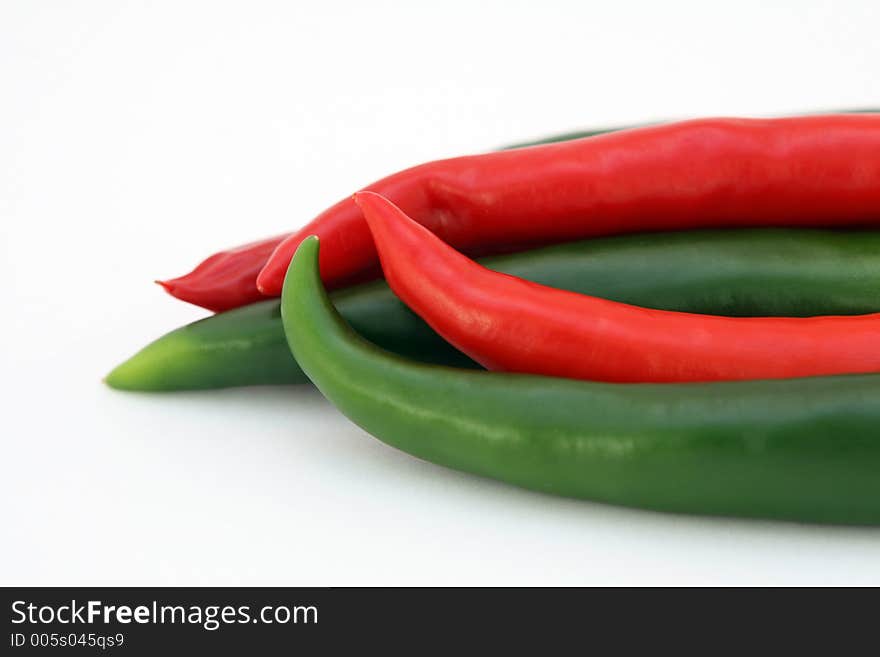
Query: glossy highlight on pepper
column 802, row 449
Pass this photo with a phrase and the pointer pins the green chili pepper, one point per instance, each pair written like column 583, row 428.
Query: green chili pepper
column 736, row 272
column 580, row 134
column 799, row 449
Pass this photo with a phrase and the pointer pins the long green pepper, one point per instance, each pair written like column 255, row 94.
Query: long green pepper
column 725, row 272
column 799, row 449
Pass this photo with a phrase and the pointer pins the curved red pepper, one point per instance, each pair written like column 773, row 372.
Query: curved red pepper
column 227, row 279
column 509, row 324
column 804, row 171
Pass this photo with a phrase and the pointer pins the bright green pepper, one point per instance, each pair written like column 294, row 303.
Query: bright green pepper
column 798, row 449
column 736, row 272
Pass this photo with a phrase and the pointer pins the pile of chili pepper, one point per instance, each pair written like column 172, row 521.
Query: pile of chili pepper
column 680, row 316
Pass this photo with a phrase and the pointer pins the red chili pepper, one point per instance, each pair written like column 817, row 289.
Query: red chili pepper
column 805, row 171
column 227, row 279
column 509, row 324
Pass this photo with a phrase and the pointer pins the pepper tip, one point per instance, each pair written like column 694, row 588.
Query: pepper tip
column 364, row 195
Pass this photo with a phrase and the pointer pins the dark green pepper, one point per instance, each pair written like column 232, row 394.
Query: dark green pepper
column 737, row 272
column 580, row 134
column 798, row 449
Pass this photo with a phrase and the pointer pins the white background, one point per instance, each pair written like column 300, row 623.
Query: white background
column 138, row 137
